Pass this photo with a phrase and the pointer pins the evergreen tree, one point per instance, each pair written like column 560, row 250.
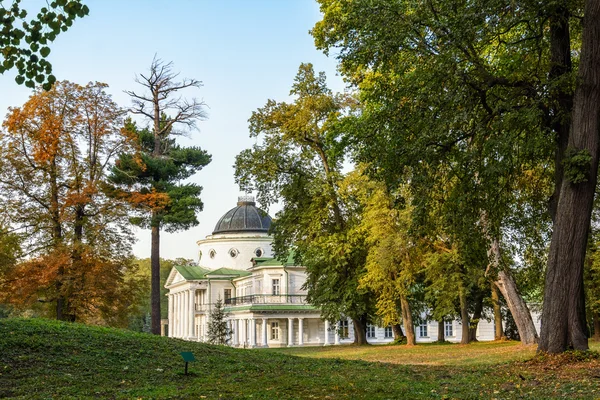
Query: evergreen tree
column 218, row 331
column 150, row 178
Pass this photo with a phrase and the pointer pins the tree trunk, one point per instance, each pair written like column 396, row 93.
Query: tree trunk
column 563, row 318
column 397, row 330
column 409, row 328
column 596, row 336
column 518, row 308
column 516, row 305
column 498, row 331
column 441, row 334
column 476, row 318
column 155, row 280
column 464, row 315
column 360, row 331
column 561, row 97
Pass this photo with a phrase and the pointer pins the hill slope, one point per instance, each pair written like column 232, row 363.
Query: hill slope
column 49, row 359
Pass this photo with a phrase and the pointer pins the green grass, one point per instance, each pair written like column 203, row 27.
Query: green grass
column 51, row 360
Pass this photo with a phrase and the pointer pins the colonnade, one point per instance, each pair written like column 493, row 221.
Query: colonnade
column 244, row 332
column 182, row 314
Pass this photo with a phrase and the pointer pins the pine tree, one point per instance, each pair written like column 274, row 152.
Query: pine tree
column 218, row 331
column 152, row 179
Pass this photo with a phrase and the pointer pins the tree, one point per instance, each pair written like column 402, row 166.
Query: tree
column 57, row 149
column 563, row 317
column 151, row 178
column 394, row 258
column 453, row 85
column 299, row 161
column 30, row 58
column 218, row 332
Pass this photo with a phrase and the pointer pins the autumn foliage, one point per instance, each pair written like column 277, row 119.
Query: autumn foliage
column 56, row 150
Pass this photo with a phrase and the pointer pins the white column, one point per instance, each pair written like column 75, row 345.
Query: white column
column 192, row 311
column 326, row 343
column 234, row 332
column 252, row 332
column 300, row 331
column 186, row 313
column 170, row 299
column 337, row 334
column 177, row 315
column 264, row 333
column 290, row 332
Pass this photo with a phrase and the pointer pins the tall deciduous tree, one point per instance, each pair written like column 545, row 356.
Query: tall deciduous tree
column 299, row 161
column 30, row 57
column 454, row 86
column 563, row 318
column 394, row 258
column 152, row 178
column 57, row 148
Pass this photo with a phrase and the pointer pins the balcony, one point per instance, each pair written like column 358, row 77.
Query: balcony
column 267, row 299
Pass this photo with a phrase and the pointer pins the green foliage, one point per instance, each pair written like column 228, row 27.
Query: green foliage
column 577, row 164
column 298, row 160
column 45, row 359
column 141, row 177
column 218, row 331
column 24, row 43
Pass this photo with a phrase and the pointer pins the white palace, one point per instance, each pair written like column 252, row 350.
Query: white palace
column 263, row 297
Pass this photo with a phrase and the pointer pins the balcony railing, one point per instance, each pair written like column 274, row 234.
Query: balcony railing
column 267, row 299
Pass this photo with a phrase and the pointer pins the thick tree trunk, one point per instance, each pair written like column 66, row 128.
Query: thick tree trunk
column 498, row 331
column 464, row 315
column 441, row 334
column 596, row 336
column 155, row 281
column 563, row 318
column 398, row 335
column 409, row 327
column 516, row 305
column 476, row 317
column 360, row 331
column 562, row 98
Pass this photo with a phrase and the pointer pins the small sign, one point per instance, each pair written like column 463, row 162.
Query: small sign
column 187, row 356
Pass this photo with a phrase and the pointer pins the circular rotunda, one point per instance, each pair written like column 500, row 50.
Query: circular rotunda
column 240, row 235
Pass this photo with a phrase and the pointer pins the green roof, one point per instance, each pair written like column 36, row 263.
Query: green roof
column 228, row 271
column 273, row 262
column 190, row 272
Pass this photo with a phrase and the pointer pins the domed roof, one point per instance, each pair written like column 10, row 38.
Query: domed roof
column 246, row 217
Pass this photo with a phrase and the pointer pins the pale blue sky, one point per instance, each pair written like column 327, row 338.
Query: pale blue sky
column 244, row 51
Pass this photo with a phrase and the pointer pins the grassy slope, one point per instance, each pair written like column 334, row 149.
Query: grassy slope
column 47, row 359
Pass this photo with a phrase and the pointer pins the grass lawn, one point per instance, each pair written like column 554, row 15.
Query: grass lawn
column 42, row 359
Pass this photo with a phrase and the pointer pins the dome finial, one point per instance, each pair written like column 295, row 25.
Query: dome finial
column 246, row 200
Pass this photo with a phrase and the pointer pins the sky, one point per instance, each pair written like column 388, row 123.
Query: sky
column 244, row 51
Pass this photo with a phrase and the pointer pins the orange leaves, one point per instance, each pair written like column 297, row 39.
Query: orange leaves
column 153, row 200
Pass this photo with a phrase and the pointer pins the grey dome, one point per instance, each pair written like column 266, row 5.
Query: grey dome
column 246, row 217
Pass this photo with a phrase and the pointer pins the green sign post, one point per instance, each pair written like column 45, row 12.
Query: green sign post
column 187, row 356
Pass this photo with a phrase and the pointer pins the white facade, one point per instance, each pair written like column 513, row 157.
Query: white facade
column 263, row 297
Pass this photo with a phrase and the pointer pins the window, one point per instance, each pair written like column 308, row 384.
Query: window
column 274, row 330
column 233, row 253
column 227, row 296
column 276, row 290
column 212, row 253
column 423, row 329
column 258, row 252
column 343, row 329
column 370, row 331
column 448, row 329
column 389, row 333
